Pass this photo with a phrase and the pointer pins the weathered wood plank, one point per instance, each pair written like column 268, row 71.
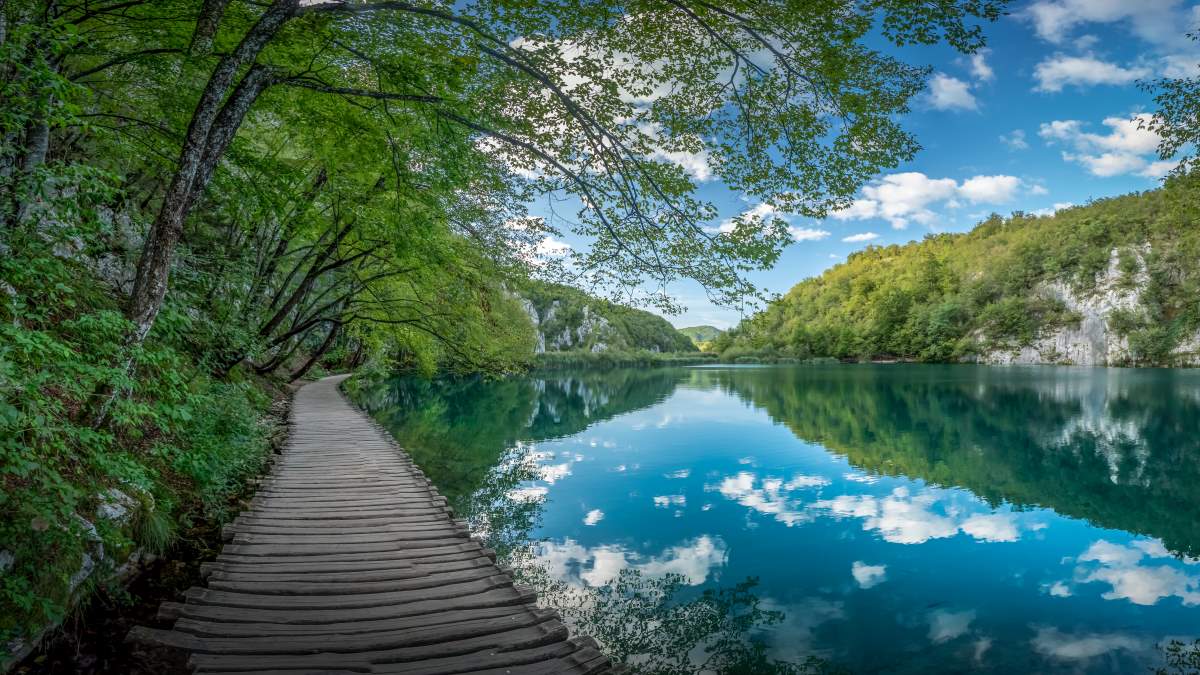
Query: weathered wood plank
column 349, row 561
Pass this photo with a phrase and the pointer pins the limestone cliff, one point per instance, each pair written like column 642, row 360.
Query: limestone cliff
column 1093, row 340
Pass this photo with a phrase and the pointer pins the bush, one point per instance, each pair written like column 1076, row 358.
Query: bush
column 173, row 447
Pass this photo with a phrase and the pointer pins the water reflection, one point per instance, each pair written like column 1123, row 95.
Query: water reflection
column 902, row 519
column 1116, row 447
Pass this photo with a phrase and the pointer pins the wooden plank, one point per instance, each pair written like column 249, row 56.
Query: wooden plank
column 349, row 561
column 228, row 629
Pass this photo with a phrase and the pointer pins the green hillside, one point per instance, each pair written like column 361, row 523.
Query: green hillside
column 568, row 319
column 1000, row 286
column 699, row 334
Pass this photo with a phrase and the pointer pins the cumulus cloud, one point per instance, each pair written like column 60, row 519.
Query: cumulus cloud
column 990, row 189
column 980, row 69
column 861, row 236
column 1015, row 140
column 868, row 576
column 1155, row 21
column 950, row 93
column 903, row 197
column 1128, row 147
column 1060, row 70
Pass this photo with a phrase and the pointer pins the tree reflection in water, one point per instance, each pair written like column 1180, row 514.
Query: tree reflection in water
column 654, row 624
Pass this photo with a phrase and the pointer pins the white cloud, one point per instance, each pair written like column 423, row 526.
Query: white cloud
column 764, row 212
column 1108, row 164
column 1159, row 22
column 950, row 93
column 1159, row 168
column 898, row 518
column 663, row 501
column 1121, row 567
column 554, row 472
column 800, row 482
column 769, row 495
column 594, row 516
column 1060, row 590
column 578, row 565
column 1128, row 147
column 868, row 576
column 553, row 248
column 945, row 625
column 1015, row 140
column 861, row 236
column 1060, row 70
column 1080, row 646
column 696, row 164
column 990, row 189
column 1179, row 65
column 807, row 233
column 859, row 209
column 903, row 197
column 980, row 69
column 993, row 527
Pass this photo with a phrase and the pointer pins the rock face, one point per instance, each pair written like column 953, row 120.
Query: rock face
column 592, row 333
column 1092, row 342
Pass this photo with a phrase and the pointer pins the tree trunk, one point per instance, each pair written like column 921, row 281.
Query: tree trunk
column 206, row 26
column 316, row 356
column 310, row 277
column 212, row 127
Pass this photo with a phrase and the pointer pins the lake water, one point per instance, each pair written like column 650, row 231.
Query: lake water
column 902, row 518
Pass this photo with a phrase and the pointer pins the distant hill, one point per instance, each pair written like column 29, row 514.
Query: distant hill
column 568, row 319
column 1114, row 282
column 701, row 334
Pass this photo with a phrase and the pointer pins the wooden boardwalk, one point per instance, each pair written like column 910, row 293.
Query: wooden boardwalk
column 349, row 561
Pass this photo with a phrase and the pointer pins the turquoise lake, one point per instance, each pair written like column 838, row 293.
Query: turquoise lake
column 902, row 518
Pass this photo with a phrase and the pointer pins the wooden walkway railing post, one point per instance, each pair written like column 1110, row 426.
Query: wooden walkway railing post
column 349, row 561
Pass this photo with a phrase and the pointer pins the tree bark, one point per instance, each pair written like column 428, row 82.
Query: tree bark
column 206, row 26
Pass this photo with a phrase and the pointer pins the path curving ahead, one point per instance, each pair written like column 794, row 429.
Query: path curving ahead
column 349, row 561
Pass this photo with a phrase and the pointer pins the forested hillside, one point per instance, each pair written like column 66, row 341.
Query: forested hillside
column 1115, row 281
column 567, row 319
column 701, row 334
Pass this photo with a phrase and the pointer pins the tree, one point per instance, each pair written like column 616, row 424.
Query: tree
column 622, row 106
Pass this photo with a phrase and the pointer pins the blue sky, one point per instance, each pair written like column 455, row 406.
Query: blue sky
column 1045, row 116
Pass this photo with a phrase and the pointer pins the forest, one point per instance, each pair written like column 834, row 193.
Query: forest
column 952, row 297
